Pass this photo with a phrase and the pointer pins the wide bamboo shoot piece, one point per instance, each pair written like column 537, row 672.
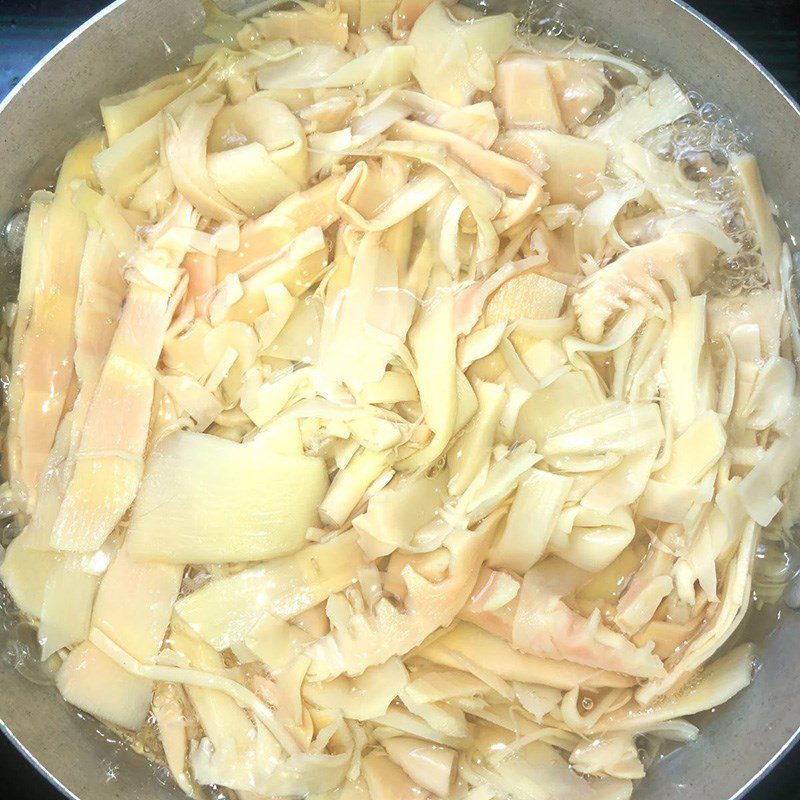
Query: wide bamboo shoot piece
column 66, row 607
column 95, row 683
column 525, row 94
column 394, row 412
column 450, row 74
column 466, row 641
column 531, row 521
column 25, row 572
column 108, row 467
column 574, row 166
column 223, row 611
column 148, row 586
column 204, row 499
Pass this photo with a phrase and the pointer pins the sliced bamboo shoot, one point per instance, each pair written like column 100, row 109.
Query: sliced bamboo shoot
column 533, row 518
column 225, row 610
column 93, row 682
column 497, row 656
column 25, row 572
column 470, row 452
column 574, row 165
column 348, row 486
column 108, row 466
column 525, row 93
column 66, row 607
column 205, row 499
column 528, row 296
column 151, row 589
column 45, row 364
column 432, row 766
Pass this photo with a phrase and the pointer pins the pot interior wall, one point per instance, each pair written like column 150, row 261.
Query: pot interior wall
column 138, row 40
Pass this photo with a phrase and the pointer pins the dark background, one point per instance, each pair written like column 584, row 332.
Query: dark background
column 770, row 29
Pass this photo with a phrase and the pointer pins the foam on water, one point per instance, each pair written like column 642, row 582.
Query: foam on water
column 701, row 144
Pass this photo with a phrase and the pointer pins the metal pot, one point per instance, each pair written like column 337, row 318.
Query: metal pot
column 134, row 40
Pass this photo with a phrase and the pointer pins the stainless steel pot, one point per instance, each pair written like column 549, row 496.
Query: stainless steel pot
column 133, row 40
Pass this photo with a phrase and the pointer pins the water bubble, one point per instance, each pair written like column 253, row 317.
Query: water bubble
column 702, row 165
column 725, row 125
column 569, row 31
column 14, row 232
column 695, row 99
column 773, row 570
column 709, row 112
column 552, row 27
column 21, row 651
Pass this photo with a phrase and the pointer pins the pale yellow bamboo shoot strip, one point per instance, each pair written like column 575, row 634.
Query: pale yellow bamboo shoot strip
column 263, row 238
column 45, row 363
column 432, row 766
column 97, row 684
column 388, row 781
column 101, row 290
column 350, row 483
column 66, row 607
column 126, row 112
column 204, row 499
column 30, row 275
column 432, row 340
column 109, row 460
column 168, row 700
column 150, row 588
column 193, row 677
column 471, row 451
column 100, row 294
column 223, row 611
column 25, row 572
column 30, row 269
column 533, row 518
column 497, row 656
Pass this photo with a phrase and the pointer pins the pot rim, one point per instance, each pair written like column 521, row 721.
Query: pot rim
column 701, row 19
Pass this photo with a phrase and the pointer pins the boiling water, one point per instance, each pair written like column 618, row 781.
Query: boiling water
column 700, row 145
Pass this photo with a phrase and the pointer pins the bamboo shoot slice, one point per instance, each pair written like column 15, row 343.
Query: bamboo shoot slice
column 250, row 179
column 149, row 588
column 225, row 610
column 533, row 518
column 574, row 165
column 47, row 347
column 92, row 681
column 25, row 572
column 497, row 656
column 205, row 499
column 108, row 465
column 66, row 607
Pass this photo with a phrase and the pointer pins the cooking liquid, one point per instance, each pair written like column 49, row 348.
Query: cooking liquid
column 700, row 145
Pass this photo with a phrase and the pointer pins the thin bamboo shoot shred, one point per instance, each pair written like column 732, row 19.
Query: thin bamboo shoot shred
column 397, row 400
